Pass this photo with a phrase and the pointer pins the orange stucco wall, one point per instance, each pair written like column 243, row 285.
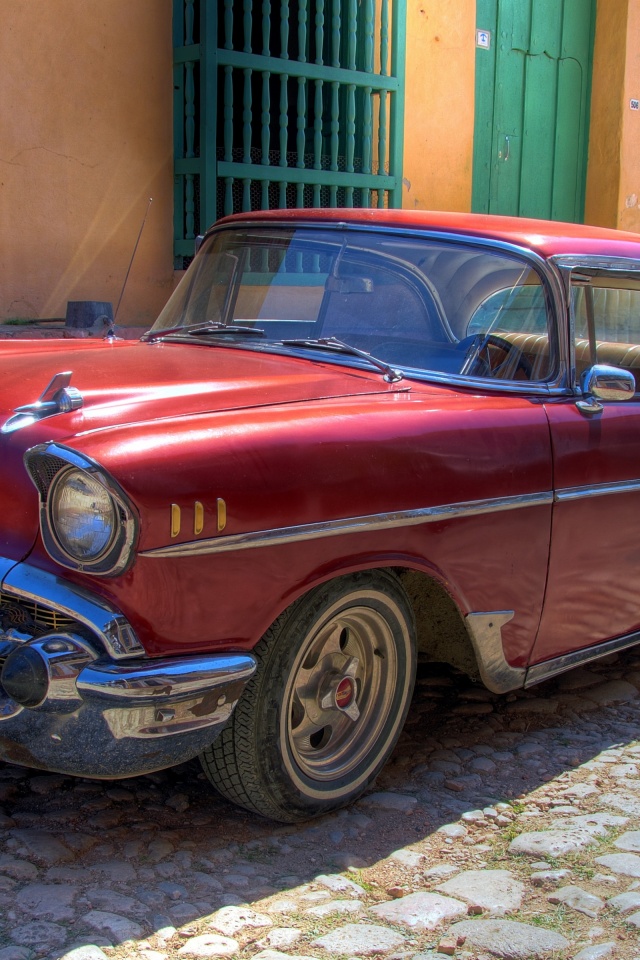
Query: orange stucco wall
column 86, row 121
column 613, row 175
column 629, row 192
column 439, row 106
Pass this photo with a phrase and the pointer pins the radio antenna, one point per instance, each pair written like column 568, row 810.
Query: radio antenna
column 144, row 220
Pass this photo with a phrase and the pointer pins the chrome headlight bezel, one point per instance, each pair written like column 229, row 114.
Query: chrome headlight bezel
column 50, row 466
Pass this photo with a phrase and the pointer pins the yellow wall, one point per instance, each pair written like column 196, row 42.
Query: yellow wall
column 629, row 193
column 439, row 114
column 613, row 175
column 86, row 121
column 440, row 80
column 86, row 138
column 603, row 171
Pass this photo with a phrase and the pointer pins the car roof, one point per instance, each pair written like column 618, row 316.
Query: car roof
column 546, row 237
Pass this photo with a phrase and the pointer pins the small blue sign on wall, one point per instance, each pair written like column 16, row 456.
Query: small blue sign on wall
column 483, row 39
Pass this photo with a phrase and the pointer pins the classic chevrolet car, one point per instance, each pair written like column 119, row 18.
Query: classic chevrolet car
column 351, row 436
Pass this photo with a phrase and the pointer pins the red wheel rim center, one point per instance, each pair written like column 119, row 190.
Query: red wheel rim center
column 344, row 693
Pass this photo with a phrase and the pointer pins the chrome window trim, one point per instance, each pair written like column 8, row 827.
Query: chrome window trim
column 518, row 387
column 546, row 267
column 567, row 265
column 590, row 262
column 332, row 528
column 410, row 374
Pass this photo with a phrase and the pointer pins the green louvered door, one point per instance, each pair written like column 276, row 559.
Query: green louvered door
column 285, row 103
column 532, row 107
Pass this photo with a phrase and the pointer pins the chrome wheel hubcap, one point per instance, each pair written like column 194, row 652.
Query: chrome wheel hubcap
column 341, row 690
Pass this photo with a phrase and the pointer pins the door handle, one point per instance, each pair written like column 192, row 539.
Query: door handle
column 506, row 156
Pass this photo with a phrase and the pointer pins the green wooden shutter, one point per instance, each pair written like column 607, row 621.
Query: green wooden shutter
column 285, row 103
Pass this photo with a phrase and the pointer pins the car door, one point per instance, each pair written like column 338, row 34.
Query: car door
column 594, row 570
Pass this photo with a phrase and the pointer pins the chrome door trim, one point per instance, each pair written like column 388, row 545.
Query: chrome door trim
column 596, row 490
column 551, row 668
column 365, row 524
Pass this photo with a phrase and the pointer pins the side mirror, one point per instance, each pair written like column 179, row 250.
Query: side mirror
column 604, row 382
column 608, row 383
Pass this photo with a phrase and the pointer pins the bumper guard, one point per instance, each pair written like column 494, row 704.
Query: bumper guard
column 66, row 704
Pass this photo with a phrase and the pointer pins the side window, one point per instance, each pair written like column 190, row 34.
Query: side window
column 514, row 310
column 606, row 312
column 509, row 331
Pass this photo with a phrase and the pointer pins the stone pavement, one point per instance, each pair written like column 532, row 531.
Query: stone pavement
column 503, row 827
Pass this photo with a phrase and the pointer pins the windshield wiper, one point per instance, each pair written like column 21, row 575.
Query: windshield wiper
column 200, row 329
column 151, row 335
column 230, row 328
column 391, row 374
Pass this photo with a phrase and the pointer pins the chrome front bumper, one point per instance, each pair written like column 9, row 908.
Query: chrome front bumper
column 79, row 699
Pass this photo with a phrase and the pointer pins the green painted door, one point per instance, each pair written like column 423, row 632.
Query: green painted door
column 533, row 79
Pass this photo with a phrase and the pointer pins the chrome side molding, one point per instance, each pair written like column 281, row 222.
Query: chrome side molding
column 364, row 524
column 551, row 668
column 485, row 631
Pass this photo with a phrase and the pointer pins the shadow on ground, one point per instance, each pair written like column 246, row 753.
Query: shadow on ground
column 164, row 850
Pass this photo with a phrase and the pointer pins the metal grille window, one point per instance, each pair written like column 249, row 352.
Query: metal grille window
column 285, row 103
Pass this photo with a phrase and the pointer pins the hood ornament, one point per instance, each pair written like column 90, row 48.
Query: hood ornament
column 58, row 397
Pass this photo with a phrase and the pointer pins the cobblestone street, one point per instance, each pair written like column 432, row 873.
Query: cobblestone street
column 503, row 827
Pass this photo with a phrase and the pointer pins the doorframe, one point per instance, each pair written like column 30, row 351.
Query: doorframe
column 485, row 80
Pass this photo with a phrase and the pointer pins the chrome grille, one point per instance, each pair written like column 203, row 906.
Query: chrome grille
column 43, row 469
column 28, row 614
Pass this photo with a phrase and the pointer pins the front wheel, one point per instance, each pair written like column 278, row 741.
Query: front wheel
column 326, row 705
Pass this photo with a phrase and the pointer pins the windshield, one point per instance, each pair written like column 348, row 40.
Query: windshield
column 420, row 304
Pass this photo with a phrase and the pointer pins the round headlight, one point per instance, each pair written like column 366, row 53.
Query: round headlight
column 82, row 515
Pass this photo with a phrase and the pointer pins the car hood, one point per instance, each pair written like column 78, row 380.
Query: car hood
column 124, row 382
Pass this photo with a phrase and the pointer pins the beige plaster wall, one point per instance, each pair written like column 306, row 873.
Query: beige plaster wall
column 439, row 108
column 86, row 121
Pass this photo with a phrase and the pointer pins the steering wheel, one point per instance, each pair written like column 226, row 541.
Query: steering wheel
column 480, row 361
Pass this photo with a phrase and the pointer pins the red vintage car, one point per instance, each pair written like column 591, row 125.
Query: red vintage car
column 351, row 436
